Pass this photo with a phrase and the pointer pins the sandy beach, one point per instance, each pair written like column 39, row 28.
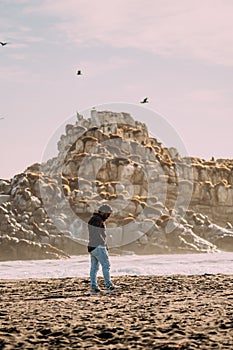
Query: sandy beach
column 151, row 312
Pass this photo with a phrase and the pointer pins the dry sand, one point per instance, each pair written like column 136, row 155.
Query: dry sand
column 168, row 312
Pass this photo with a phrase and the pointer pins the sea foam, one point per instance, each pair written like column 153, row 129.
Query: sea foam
column 78, row 266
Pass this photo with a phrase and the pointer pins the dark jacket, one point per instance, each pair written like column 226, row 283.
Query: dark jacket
column 97, row 232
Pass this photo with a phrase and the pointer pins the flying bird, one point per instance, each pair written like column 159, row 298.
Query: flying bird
column 3, row 44
column 2, row 117
column 79, row 72
column 145, row 100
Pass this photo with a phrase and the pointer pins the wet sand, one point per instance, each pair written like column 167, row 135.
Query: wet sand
column 165, row 312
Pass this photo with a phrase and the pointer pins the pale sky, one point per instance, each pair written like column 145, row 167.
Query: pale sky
column 178, row 53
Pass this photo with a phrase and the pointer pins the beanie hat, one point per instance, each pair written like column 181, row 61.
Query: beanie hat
column 105, row 208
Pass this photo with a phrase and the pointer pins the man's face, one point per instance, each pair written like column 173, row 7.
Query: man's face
column 105, row 216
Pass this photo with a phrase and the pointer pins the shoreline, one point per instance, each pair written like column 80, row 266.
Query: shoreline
column 151, row 312
column 153, row 265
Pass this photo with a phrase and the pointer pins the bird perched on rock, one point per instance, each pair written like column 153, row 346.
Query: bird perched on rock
column 3, row 44
column 79, row 72
column 145, row 100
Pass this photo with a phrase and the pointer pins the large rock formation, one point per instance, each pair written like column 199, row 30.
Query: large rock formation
column 162, row 202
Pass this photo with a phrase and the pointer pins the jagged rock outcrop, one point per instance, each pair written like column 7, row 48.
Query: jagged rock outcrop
column 162, row 202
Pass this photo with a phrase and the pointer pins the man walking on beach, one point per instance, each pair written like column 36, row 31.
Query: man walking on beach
column 97, row 247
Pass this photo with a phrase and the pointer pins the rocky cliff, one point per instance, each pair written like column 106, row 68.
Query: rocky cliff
column 162, row 202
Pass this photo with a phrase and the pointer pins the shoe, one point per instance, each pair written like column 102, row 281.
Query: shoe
column 112, row 288
column 95, row 291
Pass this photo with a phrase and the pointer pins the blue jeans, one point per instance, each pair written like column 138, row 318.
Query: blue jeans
column 99, row 256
